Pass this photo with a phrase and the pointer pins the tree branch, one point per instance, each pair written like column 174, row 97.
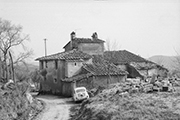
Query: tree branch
column 23, row 56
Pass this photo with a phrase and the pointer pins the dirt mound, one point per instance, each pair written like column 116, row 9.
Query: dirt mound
column 115, row 104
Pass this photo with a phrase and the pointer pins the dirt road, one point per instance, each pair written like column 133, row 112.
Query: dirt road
column 57, row 108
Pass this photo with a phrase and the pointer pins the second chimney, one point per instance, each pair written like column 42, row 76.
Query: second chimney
column 94, row 36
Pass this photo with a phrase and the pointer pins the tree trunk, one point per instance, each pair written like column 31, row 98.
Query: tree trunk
column 12, row 66
column 5, row 68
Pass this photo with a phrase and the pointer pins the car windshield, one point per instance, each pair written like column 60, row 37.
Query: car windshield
column 80, row 90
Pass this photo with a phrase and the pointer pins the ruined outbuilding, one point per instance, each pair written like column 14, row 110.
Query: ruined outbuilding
column 135, row 64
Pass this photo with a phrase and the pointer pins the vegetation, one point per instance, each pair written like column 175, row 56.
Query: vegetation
column 16, row 103
column 112, row 104
column 11, row 36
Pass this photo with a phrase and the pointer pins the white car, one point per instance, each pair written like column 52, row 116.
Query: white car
column 80, row 94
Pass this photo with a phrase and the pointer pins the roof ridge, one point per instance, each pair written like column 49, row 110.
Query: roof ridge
column 123, row 56
column 50, row 55
column 72, row 54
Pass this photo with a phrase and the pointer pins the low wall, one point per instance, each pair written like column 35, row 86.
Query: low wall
column 96, row 81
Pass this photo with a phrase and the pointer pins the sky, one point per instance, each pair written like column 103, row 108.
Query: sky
column 144, row 27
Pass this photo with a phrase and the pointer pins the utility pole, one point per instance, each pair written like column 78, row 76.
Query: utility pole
column 45, row 47
column 45, row 51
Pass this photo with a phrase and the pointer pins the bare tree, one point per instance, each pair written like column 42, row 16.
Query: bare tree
column 11, row 36
column 111, row 46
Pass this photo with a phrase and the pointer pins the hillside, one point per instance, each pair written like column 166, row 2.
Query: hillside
column 169, row 62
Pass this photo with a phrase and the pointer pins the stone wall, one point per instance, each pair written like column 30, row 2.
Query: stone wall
column 103, row 81
column 72, row 68
column 91, row 48
column 86, row 82
column 68, row 47
column 51, row 83
column 46, row 64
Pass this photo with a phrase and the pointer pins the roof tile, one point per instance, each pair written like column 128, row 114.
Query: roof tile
column 99, row 67
column 103, row 67
column 122, row 57
column 70, row 55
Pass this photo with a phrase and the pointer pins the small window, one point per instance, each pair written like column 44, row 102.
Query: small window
column 56, row 64
column 46, row 65
column 75, row 64
column 55, row 80
column 42, row 65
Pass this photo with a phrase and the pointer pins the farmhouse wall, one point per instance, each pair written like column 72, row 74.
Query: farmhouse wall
column 96, row 81
column 51, row 64
column 61, row 69
column 41, row 65
column 86, row 82
column 91, row 48
column 72, row 68
column 46, row 64
column 104, row 81
column 67, row 88
column 52, row 83
column 68, row 47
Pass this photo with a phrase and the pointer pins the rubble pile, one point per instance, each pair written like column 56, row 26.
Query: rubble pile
column 131, row 100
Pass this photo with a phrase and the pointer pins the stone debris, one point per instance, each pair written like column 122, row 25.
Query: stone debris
column 143, row 100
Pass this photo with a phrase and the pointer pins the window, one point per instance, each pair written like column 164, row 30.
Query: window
column 41, row 66
column 75, row 64
column 56, row 64
column 46, row 65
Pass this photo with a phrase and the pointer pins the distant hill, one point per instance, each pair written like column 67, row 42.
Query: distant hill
column 170, row 62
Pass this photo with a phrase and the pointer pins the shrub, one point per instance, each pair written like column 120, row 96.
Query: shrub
column 13, row 102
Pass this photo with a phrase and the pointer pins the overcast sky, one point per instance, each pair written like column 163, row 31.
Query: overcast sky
column 144, row 27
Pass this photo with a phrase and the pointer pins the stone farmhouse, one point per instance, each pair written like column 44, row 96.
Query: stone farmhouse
column 80, row 64
column 85, row 63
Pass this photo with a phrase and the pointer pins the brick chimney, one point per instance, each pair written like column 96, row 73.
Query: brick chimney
column 73, row 36
column 94, row 36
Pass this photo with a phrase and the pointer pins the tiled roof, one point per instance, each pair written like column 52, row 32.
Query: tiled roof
column 77, row 77
column 84, row 40
column 122, row 57
column 148, row 65
column 70, row 55
column 99, row 67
